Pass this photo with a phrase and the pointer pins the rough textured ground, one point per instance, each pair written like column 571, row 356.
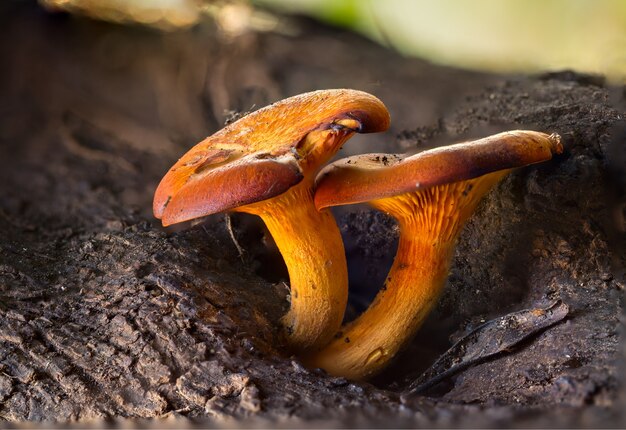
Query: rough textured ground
column 105, row 314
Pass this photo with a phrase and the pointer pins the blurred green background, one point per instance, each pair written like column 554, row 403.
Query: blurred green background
column 496, row 35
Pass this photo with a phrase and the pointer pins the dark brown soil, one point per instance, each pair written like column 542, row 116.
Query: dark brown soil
column 106, row 314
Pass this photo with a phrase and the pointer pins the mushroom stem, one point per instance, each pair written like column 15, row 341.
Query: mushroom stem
column 430, row 220
column 311, row 246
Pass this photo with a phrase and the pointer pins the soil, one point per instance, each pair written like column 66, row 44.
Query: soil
column 108, row 316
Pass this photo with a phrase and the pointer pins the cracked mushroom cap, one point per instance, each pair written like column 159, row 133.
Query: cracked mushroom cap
column 265, row 153
column 368, row 177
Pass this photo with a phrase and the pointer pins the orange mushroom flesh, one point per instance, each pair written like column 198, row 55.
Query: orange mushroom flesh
column 265, row 164
column 431, row 195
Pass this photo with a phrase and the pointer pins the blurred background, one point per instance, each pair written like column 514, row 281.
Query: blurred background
column 503, row 36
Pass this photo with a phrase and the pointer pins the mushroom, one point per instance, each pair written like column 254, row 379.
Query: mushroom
column 265, row 164
column 431, row 195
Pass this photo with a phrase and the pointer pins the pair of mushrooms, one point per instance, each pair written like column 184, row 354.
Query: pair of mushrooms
column 268, row 164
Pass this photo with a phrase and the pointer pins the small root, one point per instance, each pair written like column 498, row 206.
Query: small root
column 231, row 232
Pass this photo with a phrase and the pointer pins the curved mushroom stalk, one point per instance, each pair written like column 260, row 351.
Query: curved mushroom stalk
column 311, row 246
column 265, row 164
column 430, row 218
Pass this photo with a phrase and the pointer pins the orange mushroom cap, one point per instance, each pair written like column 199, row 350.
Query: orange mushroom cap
column 368, row 177
column 263, row 154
